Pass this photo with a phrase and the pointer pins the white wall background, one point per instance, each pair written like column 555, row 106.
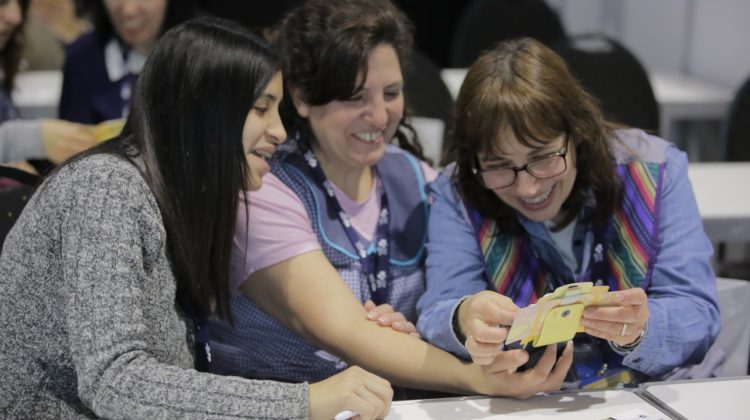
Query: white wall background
column 705, row 38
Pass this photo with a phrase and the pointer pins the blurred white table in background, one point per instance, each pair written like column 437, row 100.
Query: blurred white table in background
column 723, row 200
column 37, row 93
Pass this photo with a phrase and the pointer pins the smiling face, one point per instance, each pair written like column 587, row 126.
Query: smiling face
column 539, row 200
column 263, row 131
column 137, row 22
column 352, row 133
column 10, row 18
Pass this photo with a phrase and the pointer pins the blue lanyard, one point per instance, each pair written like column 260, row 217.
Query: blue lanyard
column 376, row 267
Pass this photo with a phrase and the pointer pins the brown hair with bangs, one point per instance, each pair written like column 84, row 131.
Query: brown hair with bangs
column 524, row 88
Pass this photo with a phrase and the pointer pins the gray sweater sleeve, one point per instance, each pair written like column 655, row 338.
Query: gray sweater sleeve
column 20, row 140
column 127, row 340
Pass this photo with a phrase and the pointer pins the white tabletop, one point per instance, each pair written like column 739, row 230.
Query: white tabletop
column 723, row 202
column 37, row 93
column 683, row 97
column 574, row 405
column 712, row 399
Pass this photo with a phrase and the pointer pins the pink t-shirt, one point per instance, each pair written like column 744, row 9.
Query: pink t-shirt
column 279, row 227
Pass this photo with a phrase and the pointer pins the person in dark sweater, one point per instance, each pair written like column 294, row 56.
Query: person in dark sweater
column 123, row 252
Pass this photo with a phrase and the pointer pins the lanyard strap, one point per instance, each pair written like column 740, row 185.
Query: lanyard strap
column 376, row 268
column 200, row 335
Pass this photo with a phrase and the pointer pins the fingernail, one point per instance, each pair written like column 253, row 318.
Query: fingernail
column 619, row 297
column 397, row 324
column 588, row 312
column 371, row 315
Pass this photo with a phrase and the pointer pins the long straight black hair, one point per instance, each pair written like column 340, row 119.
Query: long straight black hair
column 189, row 108
column 11, row 54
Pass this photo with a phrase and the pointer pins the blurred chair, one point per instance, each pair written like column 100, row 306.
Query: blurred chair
column 736, row 129
column 429, row 99
column 614, row 76
column 485, row 22
column 16, row 187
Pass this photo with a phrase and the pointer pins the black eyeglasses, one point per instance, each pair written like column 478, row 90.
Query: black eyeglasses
column 545, row 167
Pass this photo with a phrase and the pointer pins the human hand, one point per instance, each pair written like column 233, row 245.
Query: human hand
column 547, row 376
column 355, row 390
column 483, row 319
column 620, row 324
column 22, row 165
column 386, row 316
column 62, row 139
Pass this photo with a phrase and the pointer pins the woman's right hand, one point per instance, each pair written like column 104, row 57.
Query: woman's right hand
column 355, row 390
column 63, row 139
column 484, row 319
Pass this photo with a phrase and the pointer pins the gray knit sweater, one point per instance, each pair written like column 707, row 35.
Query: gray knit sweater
column 88, row 323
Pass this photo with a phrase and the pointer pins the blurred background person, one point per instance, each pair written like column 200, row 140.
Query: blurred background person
column 101, row 66
column 24, row 139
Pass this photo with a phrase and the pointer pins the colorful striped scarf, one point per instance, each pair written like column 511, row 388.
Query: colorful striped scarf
column 515, row 270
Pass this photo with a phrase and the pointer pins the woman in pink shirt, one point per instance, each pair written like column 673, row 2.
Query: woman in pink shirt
column 336, row 238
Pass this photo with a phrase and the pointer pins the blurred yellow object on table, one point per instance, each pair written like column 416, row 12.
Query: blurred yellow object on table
column 105, row 130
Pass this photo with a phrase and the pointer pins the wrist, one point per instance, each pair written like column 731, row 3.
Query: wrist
column 632, row 345
column 456, row 323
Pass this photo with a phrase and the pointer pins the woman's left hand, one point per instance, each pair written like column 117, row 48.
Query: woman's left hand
column 386, row 316
column 620, row 324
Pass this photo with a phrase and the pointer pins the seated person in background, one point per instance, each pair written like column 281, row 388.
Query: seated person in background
column 102, row 66
column 25, row 139
column 544, row 192
column 124, row 251
column 338, row 230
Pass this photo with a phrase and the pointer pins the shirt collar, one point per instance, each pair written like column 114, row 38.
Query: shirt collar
column 120, row 62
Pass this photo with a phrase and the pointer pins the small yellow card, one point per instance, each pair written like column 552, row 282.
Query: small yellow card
column 556, row 317
column 105, row 130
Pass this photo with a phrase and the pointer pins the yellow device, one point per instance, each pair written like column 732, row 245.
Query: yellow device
column 556, row 317
column 560, row 324
column 105, row 130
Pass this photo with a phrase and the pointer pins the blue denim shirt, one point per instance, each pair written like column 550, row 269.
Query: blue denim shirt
column 684, row 315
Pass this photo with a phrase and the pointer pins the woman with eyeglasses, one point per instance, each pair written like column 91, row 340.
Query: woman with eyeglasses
column 544, row 192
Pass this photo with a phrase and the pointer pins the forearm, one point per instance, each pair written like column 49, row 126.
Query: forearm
column 674, row 339
column 403, row 359
column 435, row 324
column 137, row 386
column 20, row 140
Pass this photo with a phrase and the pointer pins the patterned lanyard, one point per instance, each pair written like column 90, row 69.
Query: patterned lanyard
column 375, row 267
column 200, row 335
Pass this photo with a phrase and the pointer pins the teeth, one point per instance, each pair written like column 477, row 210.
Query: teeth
column 131, row 24
column 369, row 136
column 262, row 154
column 539, row 198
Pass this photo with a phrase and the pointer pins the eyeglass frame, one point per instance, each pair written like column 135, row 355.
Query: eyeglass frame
column 516, row 169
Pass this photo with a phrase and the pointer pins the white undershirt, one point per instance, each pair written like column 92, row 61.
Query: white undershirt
column 563, row 240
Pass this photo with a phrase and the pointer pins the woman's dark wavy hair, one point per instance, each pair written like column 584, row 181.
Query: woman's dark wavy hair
column 523, row 87
column 178, row 11
column 13, row 50
column 189, row 108
column 324, row 46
